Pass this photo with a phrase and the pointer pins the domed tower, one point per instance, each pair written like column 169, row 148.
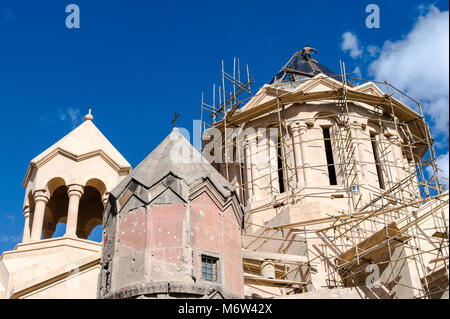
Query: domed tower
column 325, row 166
column 172, row 229
column 68, row 183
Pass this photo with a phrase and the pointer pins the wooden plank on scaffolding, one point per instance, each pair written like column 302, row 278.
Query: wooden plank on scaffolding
column 403, row 112
column 257, row 280
column 435, row 282
column 362, row 249
column 286, row 98
column 435, row 261
column 440, row 235
column 276, row 257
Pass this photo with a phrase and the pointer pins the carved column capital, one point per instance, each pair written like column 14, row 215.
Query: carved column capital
column 75, row 190
column 40, row 195
column 26, row 211
column 391, row 137
column 356, row 125
column 295, row 125
column 251, row 139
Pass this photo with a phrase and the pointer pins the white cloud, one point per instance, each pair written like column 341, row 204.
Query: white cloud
column 357, row 72
column 373, row 50
column 74, row 115
column 62, row 116
column 13, row 239
column 350, row 43
column 71, row 114
column 418, row 64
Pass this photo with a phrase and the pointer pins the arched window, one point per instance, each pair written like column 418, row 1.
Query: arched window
column 378, row 155
column 90, row 211
column 329, row 154
column 332, row 145
column 377, row 159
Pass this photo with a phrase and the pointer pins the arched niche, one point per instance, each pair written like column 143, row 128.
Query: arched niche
column 373, row 127
column 325, row 119
column 97, row 184
column 90, row 211
column 55, row 211
column 54, row 184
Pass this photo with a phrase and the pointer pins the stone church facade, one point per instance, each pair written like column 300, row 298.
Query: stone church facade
column 301, row 216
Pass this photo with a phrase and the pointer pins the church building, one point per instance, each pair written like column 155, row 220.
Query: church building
column 332, row 191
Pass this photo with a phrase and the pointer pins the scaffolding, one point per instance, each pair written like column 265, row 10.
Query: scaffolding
column 402, row 223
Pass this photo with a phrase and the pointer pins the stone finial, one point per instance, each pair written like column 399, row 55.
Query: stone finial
column 89, row 116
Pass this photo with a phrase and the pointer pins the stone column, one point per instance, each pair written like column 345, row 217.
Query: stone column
column 304, row 153
column 397, row 156
column 295, row 128
column 26, row 227
column 415, row 182
column 253, row 163
column 248, row 170
column 273, row 164
column 355, row 127
column 358, row 135
column 75, row 192
column 41, row 201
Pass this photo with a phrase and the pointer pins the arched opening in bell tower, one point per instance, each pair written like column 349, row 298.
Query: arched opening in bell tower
column 90, row 212
column 55, row 216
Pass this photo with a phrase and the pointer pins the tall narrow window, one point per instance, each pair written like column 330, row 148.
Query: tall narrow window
column 330, row 159
column 376, row 156
column 280, row 168
column 209, row 268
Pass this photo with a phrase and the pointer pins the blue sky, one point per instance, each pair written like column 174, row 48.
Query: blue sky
column 135, row 62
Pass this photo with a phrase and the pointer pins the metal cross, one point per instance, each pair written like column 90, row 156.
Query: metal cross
column 174, row 121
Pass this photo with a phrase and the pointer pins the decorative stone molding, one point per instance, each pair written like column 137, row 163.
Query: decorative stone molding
column 168, row 290
column 26, row 211
column 356, row 125
column 303, row 127
column 75, row 190
column 41, row 195
column 26, row 227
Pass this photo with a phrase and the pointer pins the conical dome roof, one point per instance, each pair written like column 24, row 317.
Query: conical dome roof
column 174, row 156
column 298, row 68
column 85, row 139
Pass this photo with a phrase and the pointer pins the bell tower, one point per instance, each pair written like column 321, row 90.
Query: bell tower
column 68, row 183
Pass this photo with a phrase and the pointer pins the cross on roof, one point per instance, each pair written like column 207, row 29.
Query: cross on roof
column 174, row 121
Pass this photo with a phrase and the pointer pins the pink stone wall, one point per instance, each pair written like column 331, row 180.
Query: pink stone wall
column 217, row 233
column 165, row 246
column 165, row 243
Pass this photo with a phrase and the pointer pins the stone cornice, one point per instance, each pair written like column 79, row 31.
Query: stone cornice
column 75, row 157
